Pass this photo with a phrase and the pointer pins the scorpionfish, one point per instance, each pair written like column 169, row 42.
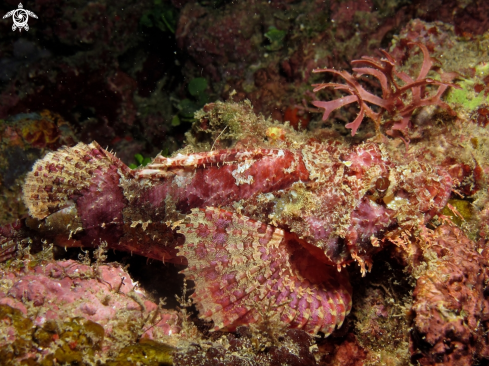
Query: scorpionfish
column 264, row 232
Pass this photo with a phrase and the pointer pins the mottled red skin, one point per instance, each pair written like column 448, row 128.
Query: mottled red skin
column 367, row 219
column 167, row 189
column 102, row 202
column 214, row 185
column 470, row 179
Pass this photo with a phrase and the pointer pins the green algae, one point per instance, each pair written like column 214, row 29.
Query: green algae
column 71, row 342
column 23, row 326
column 76, row 341
column 146, row 352
column 467, row 95
column 276, row 38
column 464, row 208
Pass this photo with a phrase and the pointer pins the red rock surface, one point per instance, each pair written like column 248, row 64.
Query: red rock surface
column 450, row 307
column 62, row 290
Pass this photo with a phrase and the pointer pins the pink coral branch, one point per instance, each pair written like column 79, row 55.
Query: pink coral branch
column 334, row 104
column 356, row 123
column 395, row 98
column 402, row 125
column 427, row 63
column 378, row 74
column 319, row 87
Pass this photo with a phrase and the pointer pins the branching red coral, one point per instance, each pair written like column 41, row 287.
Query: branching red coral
column 399, row 101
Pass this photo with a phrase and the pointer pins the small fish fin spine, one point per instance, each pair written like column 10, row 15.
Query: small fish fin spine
column 63, row 175
column 243, row 275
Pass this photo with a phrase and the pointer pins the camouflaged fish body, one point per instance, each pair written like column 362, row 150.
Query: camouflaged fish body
column 260, row 229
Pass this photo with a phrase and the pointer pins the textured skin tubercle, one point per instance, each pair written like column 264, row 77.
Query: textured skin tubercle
column 247, row 272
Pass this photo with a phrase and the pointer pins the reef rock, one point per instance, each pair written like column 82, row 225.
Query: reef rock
column 69, row 310
column 451, row 311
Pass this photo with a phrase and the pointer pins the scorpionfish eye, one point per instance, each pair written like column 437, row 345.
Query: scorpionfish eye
column 382, row 184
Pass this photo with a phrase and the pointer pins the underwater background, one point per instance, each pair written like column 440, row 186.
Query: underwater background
column 207, row 79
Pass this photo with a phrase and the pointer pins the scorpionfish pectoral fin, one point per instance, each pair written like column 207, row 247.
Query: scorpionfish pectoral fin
column 248, row 272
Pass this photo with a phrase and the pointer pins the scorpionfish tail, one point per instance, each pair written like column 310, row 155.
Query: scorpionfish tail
column 63, row 176
column 245, row 273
